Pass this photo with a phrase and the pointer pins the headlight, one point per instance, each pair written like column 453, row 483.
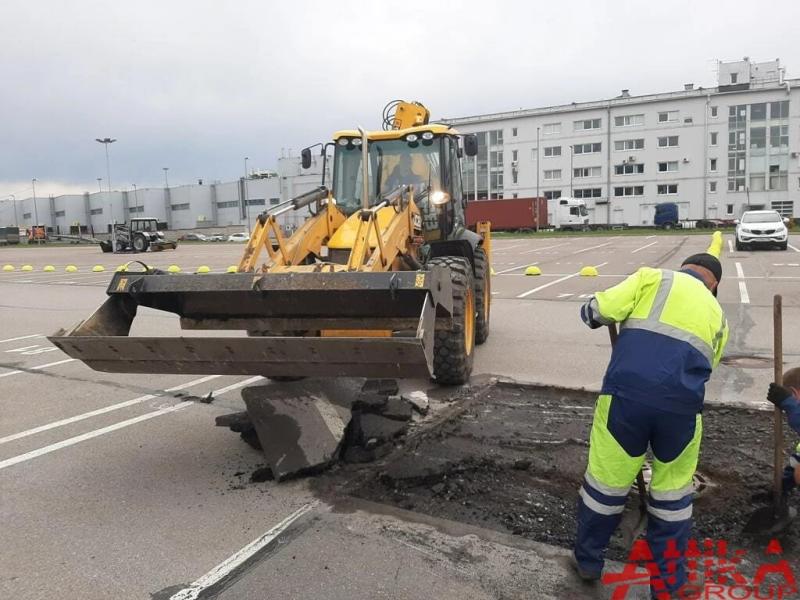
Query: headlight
column 439, row 197
column 428, row 135
column 411, row 137
column 356, row 141
column 744, row 230
column 343, row 141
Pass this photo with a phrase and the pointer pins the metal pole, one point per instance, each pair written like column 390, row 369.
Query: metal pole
column 100, row 184
column 538, row 153
column 246, row 195
column 571, row 168
column 16, row 217
column 136, row 198
column 108, row 171
column 35, row 212
column 475, row 174
column 166, row 179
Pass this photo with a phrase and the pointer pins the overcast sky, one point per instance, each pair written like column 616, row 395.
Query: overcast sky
column 197, row 85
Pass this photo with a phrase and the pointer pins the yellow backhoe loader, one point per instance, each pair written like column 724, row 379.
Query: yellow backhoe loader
column 383, row 279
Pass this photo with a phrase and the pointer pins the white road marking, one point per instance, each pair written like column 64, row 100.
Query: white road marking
column 730, row 245
column 564, row 295
column 24, row 337
column 525, row 266
column 9, row 462
column 743, row 295
column 227, row 566
column 794, row 248
column 547, row 285
column 643, row 247
column 101, row 411
column 38, row 367
column 545, row 248
column 504, row 248
column 649, row 237
column 590, row 248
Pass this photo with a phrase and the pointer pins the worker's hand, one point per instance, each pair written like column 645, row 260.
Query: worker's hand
column 777, row 394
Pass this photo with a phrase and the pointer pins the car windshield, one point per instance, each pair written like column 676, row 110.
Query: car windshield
column 392, row 163
column 771, row 217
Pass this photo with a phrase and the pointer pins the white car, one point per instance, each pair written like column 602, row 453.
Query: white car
column 239, row 237
column 761, row 228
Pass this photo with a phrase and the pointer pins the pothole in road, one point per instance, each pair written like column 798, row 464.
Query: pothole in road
column 745, row 361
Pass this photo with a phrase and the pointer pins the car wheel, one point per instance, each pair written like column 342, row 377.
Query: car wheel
column 783, row 246
column 739, row 246
column 667, row 226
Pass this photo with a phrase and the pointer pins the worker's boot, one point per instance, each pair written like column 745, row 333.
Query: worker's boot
column 583, row 573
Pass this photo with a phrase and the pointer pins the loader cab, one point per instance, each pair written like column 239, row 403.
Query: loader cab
column 150, row 225
column 423, row 160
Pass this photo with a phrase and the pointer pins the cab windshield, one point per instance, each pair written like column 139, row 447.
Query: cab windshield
column 392, row 163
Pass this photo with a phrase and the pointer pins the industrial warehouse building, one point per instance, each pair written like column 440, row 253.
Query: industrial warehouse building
column 716, row 152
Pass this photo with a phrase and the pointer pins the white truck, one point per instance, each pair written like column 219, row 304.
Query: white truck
column 567, row 214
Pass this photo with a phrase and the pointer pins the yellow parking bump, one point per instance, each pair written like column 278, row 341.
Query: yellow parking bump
column 588, row 272
column 71, row 269
column 122, row 268
column 48, row 268
column 8, row 267
column 533, row 270
column 203, row 269
column 174, row 269
column 26, row 268
column 233, row 269
column 98, row 269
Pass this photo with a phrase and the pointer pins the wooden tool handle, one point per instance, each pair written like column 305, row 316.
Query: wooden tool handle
column 777, row 315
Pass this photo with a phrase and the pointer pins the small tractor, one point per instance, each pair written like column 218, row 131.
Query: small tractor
column 137, row 236
column 383, row 279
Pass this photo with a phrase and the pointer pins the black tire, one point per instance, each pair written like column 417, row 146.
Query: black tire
column 783, row 246
column 140, row 243
column 453, row 352
column 739, row 246
column 483, row 296
column 667, row 226
column 105, row 246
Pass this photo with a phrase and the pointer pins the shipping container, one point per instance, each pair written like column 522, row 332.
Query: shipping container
column 509, row 214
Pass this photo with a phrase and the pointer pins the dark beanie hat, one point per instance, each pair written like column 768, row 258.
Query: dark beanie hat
column 708, row 261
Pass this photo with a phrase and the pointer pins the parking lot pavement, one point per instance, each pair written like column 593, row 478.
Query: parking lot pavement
column 119, row 485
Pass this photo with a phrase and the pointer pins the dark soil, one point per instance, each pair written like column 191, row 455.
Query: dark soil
column 512, row 458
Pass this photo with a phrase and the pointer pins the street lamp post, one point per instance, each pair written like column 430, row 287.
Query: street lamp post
column 571, row 168
column 136, row 198
column 538, row 151
column 16, row 217
column 35, row 213
column 166, row 179
column 100, row 184
column 106, row 142
column 246, row 195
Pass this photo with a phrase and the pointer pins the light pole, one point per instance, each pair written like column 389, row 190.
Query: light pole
column 166, row 179
column 35, row 214
column 246, row 195
column 136, row 198
column 100, row 184
column 538, row 151
column 106, row 142
column 571, row 169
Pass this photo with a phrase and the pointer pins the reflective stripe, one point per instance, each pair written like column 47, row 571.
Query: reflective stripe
column 793, row 462
column 672, row 494
column 673, row 332
column 595, row 506
column 605, row 489
column 594, row 312
column 660, row 301
column 670, row 515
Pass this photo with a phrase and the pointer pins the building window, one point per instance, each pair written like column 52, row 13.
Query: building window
column 668, row 167
column 60, row 213
column 629, row 121
column 274, row 201
column 629, row 169
column 712, row 165
column 96, row 211
column 779, row 136
column 496, row 158
column 758, row 112
column 629, row 190
column 713, row 138
column 514, row 155
column 256, row 202
column 28, row 215
column 712, row 187
column 636, row 144
column 551, row 174
column 588, row 193
column 669, row 116
column 552, row 151
column 552, row 194
column 551, row 129
column 778, row 179
column 583, row 172
column 758, row 138
column 729, row 209
column 779, row 110
column 590, row 148
column 784, row 207
column 135, row 209
column 734, row 78
column 584, row 124
column 514, row 176
column 513, row 132
column 669, row 141
column 184, row 206
column 228, row 204
column 514, row 195
column 496, row 137
column 714, row 112
column 667, row 189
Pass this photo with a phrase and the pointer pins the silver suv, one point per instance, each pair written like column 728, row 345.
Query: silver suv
column 761, row 228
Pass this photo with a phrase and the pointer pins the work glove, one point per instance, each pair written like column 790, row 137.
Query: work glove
column 777, row 394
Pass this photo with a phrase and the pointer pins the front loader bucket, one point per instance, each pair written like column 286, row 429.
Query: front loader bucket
column 341, row 324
